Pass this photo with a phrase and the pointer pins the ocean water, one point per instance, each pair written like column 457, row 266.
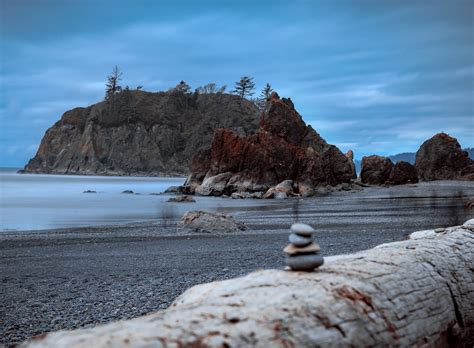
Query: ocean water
column 35, row 201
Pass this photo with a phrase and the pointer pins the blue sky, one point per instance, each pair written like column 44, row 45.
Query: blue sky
column 371, row 76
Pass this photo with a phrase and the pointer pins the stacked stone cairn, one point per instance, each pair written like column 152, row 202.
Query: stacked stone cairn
column 303, row 252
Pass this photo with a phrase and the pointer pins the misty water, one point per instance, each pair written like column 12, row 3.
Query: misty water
column 40, row 201
column 35, row 201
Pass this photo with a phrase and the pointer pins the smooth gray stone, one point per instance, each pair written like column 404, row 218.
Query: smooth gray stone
column 299, row 241
column 302, row 229
column 305, row 262
column 280, row 195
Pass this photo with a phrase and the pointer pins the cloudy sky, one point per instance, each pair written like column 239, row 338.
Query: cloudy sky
column 371, row 76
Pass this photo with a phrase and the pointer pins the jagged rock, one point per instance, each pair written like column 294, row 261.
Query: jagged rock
column 257, row 195
column 202, row 221
column 350, row 154
column 214, row 185
column 285, row 187
column 441, row 158
column 375, row 170
column 284, row 148
column 237, row 195
column 140, row 133
column 403, row 173
column 173, row 189
column 305, row 190
column 182, row 199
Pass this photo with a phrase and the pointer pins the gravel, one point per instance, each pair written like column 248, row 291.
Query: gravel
column 71, row 278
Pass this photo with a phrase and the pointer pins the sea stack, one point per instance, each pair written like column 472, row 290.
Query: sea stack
column 302, row 252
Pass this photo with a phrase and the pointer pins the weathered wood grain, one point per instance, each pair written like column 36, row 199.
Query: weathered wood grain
column 418, row 292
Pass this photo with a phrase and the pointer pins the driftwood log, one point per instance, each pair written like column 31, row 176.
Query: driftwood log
column 419, row 292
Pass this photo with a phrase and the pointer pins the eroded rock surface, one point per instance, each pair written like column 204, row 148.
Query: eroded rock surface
column 375, row 170
column 441, row 158
column 284, row 148
column 403, row 173
column 140, row 133
column 379, row 170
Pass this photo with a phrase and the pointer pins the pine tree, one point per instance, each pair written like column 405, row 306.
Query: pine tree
column 182, row 87
column 264, row 95
column 112, row 86
column 245, row 87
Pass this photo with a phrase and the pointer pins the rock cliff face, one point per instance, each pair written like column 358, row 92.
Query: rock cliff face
column 140, row 133
column 441, row 158
column 284, row 148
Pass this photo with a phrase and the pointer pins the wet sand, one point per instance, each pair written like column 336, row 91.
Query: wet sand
column 70, row 278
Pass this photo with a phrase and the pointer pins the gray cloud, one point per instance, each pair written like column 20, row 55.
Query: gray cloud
column 372, row 76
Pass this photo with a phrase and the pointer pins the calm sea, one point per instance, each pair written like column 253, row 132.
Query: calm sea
column 34, row 201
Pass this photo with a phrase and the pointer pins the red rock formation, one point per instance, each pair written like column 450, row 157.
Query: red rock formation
column 375, row 170
column 403, row 173
column 379, row 170
column 441, row 158
column 284, row 148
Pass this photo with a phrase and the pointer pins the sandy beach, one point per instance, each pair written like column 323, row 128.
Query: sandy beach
column 78, row 277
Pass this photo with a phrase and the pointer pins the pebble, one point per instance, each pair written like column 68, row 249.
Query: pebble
column 299, row 241
column 294, row 250
column 302, row 229
column 306, row 262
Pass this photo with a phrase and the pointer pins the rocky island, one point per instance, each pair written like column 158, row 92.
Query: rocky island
column 438, row 158
column 140, row 133
column 285, row 155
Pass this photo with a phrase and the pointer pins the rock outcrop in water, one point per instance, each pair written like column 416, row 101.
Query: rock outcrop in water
column 441, row 158
column 403, row 173
column 140, row 133
column 375, row 170
column 379, row 170
column 284, row 148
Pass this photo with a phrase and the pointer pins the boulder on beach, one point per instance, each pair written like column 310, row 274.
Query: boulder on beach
column 441, row 158
column 375, row 170
column 379, row 170
column 203, row 221
column 214, row 185
column 182, row 199
column 284, row 149
column 403, row 173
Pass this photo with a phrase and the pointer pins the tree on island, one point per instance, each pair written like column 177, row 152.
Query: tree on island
column 210, row 88
column 182, row 87
column 112, row 86
column 245, row 87
column 264, row 95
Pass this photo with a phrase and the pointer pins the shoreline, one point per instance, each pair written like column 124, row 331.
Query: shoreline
column 69, row 278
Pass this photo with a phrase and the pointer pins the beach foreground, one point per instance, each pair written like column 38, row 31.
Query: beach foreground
column 70, row 278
